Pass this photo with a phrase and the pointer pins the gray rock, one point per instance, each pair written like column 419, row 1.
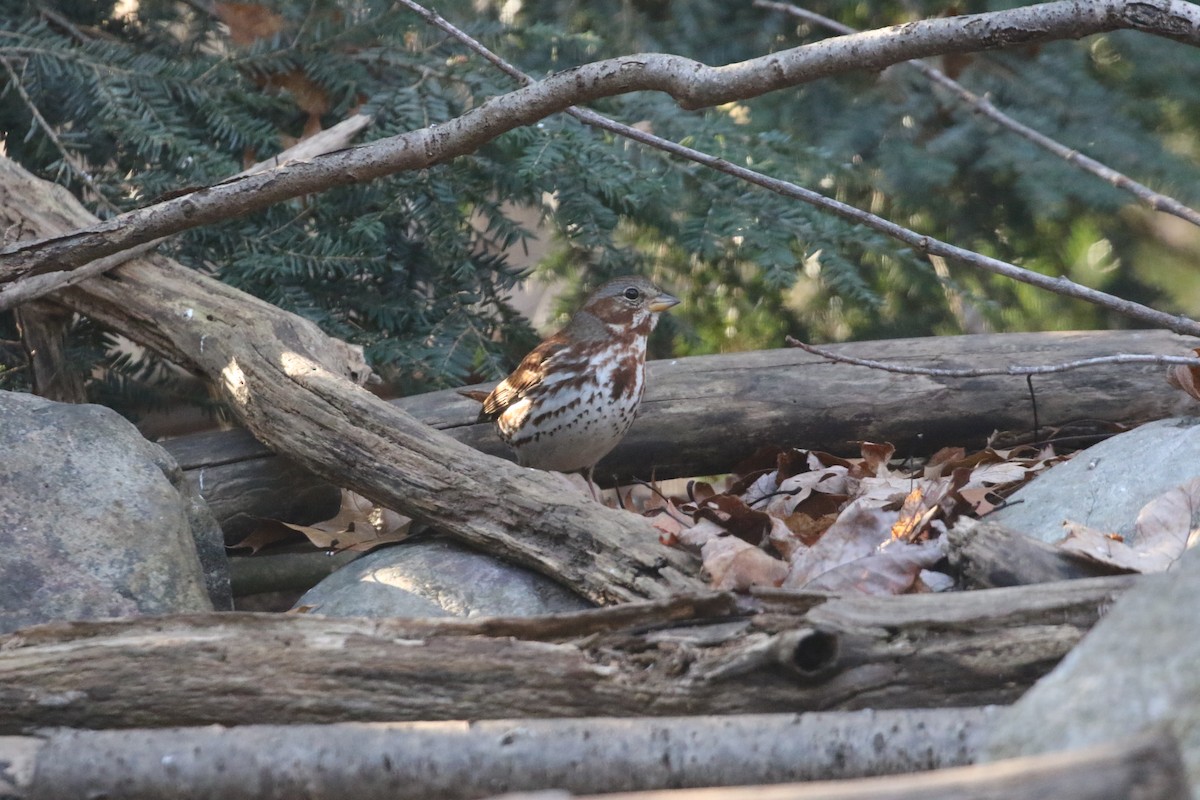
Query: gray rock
column 95, row 521
column 436, row 578
column 1135, row 669
column 1106, row 486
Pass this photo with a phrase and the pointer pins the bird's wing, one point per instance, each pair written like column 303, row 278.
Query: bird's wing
column 528, row 374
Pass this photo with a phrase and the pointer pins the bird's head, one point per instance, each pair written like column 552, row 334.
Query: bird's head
column 629, row 302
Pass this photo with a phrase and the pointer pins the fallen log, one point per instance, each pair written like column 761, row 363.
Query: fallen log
column 1147, row 767
column 986, row 556
column 706, row 654
column 244, row 482
column 465, row 760
column 295, row 389
column 782, row 397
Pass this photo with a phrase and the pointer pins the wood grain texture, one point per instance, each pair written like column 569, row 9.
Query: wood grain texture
column 986, row 555
column 708, row 654
column 295, row 389
column 1146, row 767
column 462, row 760
column 702, row 415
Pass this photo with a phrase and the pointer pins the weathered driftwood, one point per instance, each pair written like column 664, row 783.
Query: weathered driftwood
column 778, row 397
column 292, row 387
column 463, row 760
column 1146, row 767
column 243, row 482
column 709, row 654
column 284, row 569
column 986, row 556
column 43, row 329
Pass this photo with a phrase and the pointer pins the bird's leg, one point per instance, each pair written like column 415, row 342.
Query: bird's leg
column 587, row 476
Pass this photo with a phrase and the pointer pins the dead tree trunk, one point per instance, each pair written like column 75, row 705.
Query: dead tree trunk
column 465, row 760
column 1147, row 767
column 710, row 654
column 780, row 397
column 291, row 386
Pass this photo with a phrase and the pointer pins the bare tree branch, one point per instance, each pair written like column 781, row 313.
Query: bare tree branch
column 295, row 389
column 692, row 84
column 1047, row 369
column 70, row 160
column 934, row 247
column 984, row 107
column 465, row 760
column 328, row 140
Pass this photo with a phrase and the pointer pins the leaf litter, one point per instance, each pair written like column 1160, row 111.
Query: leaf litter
column 1165, row 527
column 360, row 525
column 805, row 519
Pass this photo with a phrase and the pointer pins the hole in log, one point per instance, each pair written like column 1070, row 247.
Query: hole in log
column 811, row 653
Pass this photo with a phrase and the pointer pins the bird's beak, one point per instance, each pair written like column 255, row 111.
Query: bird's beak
column 662, row 302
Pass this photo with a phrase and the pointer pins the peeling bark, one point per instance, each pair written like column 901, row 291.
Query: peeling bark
column 1146, row 767
column 295, row 390
column 706, row 654
column 462, row 760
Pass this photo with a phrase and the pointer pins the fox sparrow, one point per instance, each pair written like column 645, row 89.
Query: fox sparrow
column 570, row 401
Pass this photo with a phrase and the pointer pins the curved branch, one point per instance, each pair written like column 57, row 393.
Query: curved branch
column 693, row 84
column 294, row 389
column 933, row 247
column 979, row 372
column 984, row 107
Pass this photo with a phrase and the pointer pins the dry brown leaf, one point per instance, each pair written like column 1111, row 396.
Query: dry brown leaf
column 666, row 517
column 981, row 499
column 699, row 534
column 888, row 490
column 1171, row 520
column 1099, row 547
column 763, row 488
column 764, row 460
column 267, row 532
column 930, row 500
column 1186, row 378
column 790, row 462
column 360, row 526
column 785, row 541
column 894, row 569
column 1166, row 527
column 914, row 515
column 734, row 565
column 819, row 459
column 991, row 475
column 793, row 509
column 858, row 532
column 796, row 490
column 876, row 457
column 668, row 529
column 947, row 455
column 808, row 529
column 735, row 517
column 700, row 491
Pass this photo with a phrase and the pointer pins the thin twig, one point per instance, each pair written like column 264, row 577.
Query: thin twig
column 36, row 286
column 926, row 244
column 693, row 85
column 984, row 107
column 936, row 372
column 1037, row 431
column 69, row 159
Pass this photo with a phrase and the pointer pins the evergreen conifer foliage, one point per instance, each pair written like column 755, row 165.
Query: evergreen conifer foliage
column 123, row 108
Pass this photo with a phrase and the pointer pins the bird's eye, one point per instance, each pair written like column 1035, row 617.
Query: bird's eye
column 632, row 293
